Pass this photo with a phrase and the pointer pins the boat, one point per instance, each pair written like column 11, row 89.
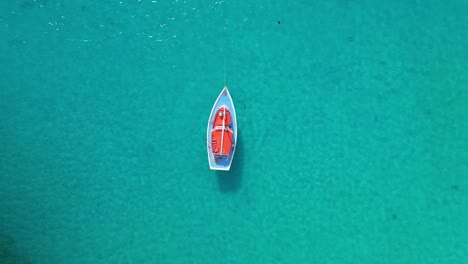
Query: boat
column 221, row 137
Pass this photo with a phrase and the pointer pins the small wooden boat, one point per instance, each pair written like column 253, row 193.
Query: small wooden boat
column 221, row 134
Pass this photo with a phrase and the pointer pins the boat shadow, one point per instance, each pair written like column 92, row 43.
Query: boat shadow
column 231, row 181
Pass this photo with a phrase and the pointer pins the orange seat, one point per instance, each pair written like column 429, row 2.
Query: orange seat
column 218, row 120
column 225, row 147
column 220, row 144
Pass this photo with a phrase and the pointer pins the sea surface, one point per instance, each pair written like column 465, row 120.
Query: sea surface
column 352, row 117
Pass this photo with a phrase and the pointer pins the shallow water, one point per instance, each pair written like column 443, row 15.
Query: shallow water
column 352, row 125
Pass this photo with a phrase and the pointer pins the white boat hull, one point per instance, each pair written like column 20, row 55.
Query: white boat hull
column 216, row 161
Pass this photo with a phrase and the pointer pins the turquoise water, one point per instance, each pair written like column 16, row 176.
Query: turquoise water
column 353, row 132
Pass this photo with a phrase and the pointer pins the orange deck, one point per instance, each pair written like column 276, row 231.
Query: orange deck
column 218, row 147
column 218, row 120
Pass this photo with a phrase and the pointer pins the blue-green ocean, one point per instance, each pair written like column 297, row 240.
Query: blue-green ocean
column 352, row 145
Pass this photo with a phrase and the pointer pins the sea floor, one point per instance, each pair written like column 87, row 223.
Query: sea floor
column 352, row 145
